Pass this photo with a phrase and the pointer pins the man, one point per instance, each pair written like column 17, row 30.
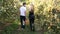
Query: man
column 23, row 15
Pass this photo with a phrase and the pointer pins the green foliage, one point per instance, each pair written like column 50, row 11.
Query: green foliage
column 9, row 29
column 47, row 12
column 22, row 0
column 8, row 12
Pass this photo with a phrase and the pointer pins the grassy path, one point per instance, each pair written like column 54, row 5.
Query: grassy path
column 16, row 29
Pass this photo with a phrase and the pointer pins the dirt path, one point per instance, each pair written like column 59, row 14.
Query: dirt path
column 18, row 30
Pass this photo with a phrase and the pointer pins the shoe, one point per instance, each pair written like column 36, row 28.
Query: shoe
column 22, row 29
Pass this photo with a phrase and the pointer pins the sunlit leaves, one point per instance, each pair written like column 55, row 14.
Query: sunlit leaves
column 8, row 11
column 43, row 9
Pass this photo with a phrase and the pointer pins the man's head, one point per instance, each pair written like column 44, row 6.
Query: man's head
column 24, row 4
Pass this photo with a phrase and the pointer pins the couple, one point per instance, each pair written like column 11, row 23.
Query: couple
column 23, row 16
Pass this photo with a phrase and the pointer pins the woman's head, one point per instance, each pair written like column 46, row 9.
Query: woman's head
column 31, row 8
column 31, row 4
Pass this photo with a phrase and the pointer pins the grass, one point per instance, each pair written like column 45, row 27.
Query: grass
column 16, row 29
column 13, row 29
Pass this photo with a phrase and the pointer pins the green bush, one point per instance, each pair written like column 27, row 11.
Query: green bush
column 9, row 29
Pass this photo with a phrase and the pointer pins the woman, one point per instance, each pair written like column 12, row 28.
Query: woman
column 31, row 17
